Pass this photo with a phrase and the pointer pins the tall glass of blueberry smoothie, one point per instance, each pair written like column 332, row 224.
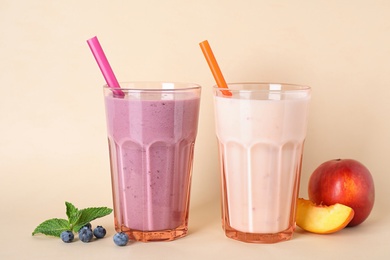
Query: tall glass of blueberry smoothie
column 261, row 129
column 151, row 136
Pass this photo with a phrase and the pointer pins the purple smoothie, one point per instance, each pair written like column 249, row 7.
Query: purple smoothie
column 151, row 145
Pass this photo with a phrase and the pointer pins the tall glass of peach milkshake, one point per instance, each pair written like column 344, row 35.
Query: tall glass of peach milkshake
column 261, row 129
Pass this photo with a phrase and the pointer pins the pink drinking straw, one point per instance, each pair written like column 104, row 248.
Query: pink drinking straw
column 104, row 66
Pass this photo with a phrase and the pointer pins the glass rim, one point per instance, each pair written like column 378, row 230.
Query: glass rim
column 283, row 87
column 154, row 86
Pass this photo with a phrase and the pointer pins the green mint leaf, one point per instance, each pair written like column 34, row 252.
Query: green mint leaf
column 89, row 214
column 76, row 219
column 52, row 227
column 70, row 209
column 72, row 212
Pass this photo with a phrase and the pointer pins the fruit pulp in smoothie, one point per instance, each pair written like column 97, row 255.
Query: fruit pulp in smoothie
column 151, row 145
column 260, row 145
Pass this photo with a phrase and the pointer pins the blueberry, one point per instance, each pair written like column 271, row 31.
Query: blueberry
column 67, row 236
column 121, row 239
column 85, row 234
column 88, row 225
column 99, row 232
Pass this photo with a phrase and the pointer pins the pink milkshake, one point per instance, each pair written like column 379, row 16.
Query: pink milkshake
column 261, row 130
column 151, row 134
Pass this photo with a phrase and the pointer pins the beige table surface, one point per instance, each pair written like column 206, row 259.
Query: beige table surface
column 25, row 202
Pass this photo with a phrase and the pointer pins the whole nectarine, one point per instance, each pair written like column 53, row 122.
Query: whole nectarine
column 344, row 181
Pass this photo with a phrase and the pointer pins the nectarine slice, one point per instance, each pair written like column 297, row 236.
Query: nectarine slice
column 322, row 219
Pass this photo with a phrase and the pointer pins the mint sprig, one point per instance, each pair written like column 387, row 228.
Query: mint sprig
column 76, row 220
column 52, row 227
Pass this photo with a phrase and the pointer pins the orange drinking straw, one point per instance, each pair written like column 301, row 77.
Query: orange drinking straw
column 213, row 64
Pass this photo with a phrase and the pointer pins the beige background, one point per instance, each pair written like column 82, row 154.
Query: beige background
column 52, row 137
